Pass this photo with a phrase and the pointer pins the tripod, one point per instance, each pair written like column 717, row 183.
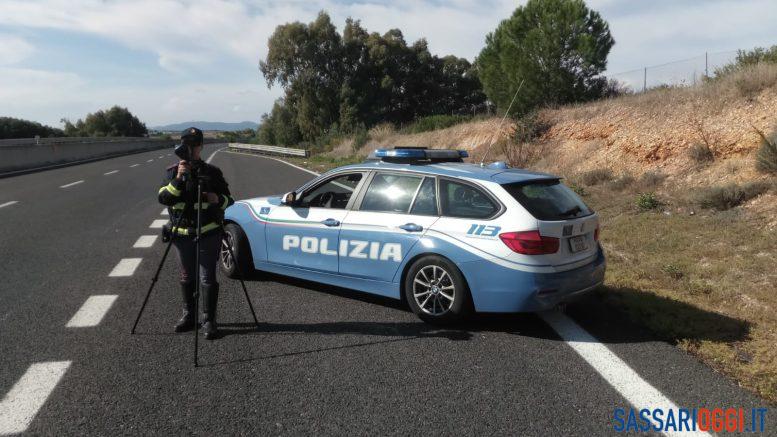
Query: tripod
column 198, row 235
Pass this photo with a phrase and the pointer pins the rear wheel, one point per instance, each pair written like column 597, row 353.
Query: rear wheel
column 235, row 238
column 436, row 291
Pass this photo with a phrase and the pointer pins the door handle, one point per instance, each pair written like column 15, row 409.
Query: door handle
column 412, row 227
column 331, row 222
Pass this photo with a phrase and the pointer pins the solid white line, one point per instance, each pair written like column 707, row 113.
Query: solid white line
column 134, row 165
column 9, row 203
column 126, row 267
column 70, row 184
column 617, row 373
column 279, row 160
column 145, row 241
column 157, row 224
column 150, row 160
column 110, row 172
column 165, row 212
column 214, row 154
column 92, row 311
column 22, row 403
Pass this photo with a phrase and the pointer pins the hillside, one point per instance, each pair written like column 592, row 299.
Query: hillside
column 688, row 224
column 207, row 126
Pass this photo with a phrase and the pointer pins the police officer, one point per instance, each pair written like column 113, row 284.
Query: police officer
column 178, row 193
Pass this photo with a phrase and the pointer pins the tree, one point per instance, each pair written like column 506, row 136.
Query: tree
column 17, row 128
column 115, row 122
column 345, row 83
column 558, row 48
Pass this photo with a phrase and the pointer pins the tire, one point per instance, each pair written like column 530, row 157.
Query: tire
column 244, row 264
column 436, row 291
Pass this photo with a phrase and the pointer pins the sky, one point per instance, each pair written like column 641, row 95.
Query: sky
column 172, row 61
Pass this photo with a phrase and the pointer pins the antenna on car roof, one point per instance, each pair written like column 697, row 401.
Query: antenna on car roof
column 493, row 139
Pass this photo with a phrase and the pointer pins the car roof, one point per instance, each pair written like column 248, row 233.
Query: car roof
column 457, row 170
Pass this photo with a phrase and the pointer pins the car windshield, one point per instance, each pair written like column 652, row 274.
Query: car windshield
column 548, row 199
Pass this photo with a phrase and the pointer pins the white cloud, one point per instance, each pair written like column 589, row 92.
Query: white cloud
column 187, row 34
column 14, row 49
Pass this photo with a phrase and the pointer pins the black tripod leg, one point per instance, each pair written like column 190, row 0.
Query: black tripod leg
column 151, row 287
column 197, row 271
column 240, row 277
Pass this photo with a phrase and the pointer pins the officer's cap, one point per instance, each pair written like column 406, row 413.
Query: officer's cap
column 191, row 136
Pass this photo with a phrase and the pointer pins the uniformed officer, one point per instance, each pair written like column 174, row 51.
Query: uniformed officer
column 178, row 193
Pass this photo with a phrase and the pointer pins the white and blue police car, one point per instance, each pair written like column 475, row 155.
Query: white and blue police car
column 421, row 225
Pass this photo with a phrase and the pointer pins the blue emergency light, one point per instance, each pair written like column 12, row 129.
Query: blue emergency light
column 418, row 155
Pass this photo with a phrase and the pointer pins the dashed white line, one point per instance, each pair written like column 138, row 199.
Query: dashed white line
column 22, row 403
column 150, row 160
column 92, row 311
column 12, row 202
column 125, row 267
column 71, row 184
column 161, row 156
column 134, row 165
column 110, row 172
column 145, row 241
column 165, row 212
column 617, row 373
column 157, row 224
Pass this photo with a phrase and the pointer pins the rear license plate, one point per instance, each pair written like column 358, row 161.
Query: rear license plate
column 578, row 244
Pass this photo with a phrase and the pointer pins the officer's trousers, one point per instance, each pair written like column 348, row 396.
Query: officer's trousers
column 210, row 244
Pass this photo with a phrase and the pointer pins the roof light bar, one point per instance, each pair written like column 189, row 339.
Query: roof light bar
column 418, row 155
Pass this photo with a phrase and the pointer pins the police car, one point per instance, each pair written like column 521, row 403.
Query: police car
column 420, row 225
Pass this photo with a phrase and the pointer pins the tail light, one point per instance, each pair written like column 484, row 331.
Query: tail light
column 530, row 242
column 596, row 233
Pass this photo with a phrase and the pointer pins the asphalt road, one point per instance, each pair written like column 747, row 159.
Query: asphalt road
column 323, row 361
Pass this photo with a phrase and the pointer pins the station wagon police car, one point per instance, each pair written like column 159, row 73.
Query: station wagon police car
column 421, row 225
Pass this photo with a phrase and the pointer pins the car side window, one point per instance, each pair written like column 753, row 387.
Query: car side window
column 465, row 201
column 334, row 193
column 390, row 193
column 426, row 200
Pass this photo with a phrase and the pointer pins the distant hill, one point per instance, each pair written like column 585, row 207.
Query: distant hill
column 207, row 125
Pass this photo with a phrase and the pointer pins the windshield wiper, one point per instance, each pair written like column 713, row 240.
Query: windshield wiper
column 572, row 211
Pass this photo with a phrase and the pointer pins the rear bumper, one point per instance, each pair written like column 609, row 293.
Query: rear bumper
column 498, row 289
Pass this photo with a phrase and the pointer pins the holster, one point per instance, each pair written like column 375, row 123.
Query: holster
column 167, row 232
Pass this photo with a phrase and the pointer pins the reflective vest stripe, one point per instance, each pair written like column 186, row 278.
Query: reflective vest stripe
column 206, row 228
column 171, row 189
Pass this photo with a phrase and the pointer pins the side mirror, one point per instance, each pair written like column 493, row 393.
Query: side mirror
column 289, row 198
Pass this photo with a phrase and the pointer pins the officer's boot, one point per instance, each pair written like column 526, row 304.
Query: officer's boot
column 187, row 320
column 211, row 298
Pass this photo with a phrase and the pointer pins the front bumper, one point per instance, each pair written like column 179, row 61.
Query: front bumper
column 498, row 289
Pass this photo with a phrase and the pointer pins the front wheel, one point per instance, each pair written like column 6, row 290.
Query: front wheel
column 241, row 264
column 436, row 291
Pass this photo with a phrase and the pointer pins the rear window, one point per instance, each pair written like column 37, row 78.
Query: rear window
column 548, row 200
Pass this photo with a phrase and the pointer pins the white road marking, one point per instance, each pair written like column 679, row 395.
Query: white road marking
column 134, row 165
column 214, row 154
column 110, row 172
column 22, row 403
column 126, row 267
column 92, row 311
column 279, row 160
column 150, row 160
column 169, row 154
column 71, row 184
column 165, row 212
column 145, row 241
column 9, row 203
column 162, row 156
column 157, row 224
column 617, row 373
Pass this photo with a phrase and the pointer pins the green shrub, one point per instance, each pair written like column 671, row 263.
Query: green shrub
column 674, row 271
column 577, row 189
column 529, row 128
column 766, row 157
column 434, row 122
column 595, row 177
column 701, row 153
column 729, row 196
column 360, row 139
column 648, row 201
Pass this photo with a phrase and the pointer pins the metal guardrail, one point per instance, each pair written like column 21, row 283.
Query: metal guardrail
column 268, row 150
